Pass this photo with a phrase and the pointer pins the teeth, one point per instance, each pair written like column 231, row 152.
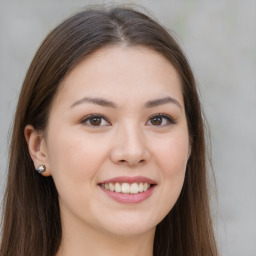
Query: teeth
column 111, row 187
column 141, row 187
column 118, row 187
column 126, row 188
column 134, row 189
column 146, row 186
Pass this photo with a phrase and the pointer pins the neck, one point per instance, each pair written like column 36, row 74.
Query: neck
column 83, row 241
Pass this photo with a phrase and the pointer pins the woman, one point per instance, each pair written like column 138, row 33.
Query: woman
column 107, row 154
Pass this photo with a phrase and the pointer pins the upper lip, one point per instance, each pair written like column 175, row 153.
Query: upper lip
column 129, row 179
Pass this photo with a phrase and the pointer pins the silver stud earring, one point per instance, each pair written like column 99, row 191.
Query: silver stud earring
column 40, row 169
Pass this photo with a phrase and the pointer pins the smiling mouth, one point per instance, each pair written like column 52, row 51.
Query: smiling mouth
column 127, row 188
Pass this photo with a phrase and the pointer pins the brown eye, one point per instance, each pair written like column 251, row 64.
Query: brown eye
column 156, row 120
column 95, row 120
column 161, row 120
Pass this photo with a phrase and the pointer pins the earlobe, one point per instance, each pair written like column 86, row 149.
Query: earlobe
column 37, row 149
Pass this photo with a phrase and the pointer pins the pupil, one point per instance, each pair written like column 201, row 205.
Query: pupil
column 95, row 121
column 157, row 121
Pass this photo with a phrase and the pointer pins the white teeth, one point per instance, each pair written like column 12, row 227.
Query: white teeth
column 126, row 188
column 141, row 187
column 146, row 186
column 111, row 187
column 118, row 187
column 134, row 189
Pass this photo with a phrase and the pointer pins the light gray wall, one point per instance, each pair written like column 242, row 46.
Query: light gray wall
column 219, row 39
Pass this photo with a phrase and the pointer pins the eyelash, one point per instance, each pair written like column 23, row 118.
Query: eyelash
column 87, row 120
column 170, row 120
column 90, row 117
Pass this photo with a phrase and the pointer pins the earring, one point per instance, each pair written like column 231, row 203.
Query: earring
column 41, row 168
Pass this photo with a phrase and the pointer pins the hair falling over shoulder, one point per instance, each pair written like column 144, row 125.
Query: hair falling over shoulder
column 31, row 215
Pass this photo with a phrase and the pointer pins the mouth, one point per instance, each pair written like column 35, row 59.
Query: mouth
column 127, row 188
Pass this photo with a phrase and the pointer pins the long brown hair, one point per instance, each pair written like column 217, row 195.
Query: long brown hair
column 32, row 224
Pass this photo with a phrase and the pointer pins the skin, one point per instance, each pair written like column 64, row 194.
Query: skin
column 128, row 141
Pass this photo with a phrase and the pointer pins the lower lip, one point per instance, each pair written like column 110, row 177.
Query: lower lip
column 129, row 198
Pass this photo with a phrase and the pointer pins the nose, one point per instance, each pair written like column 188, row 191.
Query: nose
column 130, row 147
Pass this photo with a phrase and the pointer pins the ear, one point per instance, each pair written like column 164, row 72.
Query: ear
column 37, row 148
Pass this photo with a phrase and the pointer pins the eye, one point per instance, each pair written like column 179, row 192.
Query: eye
column 95, row 120
column 160, row 120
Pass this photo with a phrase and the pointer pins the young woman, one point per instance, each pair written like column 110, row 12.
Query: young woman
column 108, row 154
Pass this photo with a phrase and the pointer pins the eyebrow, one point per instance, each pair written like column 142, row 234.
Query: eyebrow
column 98, row 101
column 107, row 103
column 161, row 101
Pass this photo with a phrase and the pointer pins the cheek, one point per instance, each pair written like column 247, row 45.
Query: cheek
column 172, row 158
column 74, row 159
column 172, row 155
column 75, row 162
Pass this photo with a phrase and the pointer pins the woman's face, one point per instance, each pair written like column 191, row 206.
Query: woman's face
column 117, row 141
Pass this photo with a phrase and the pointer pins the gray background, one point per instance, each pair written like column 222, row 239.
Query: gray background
column 219, row 38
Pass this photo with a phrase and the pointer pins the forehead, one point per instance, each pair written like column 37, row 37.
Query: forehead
column 116, row 71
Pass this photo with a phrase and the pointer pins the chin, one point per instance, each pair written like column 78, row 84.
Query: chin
column 131, row 231
column 130, row 225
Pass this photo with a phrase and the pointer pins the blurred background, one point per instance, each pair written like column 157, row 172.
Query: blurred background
column 219, row 39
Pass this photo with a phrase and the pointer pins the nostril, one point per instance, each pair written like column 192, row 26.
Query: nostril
column 132, row 163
